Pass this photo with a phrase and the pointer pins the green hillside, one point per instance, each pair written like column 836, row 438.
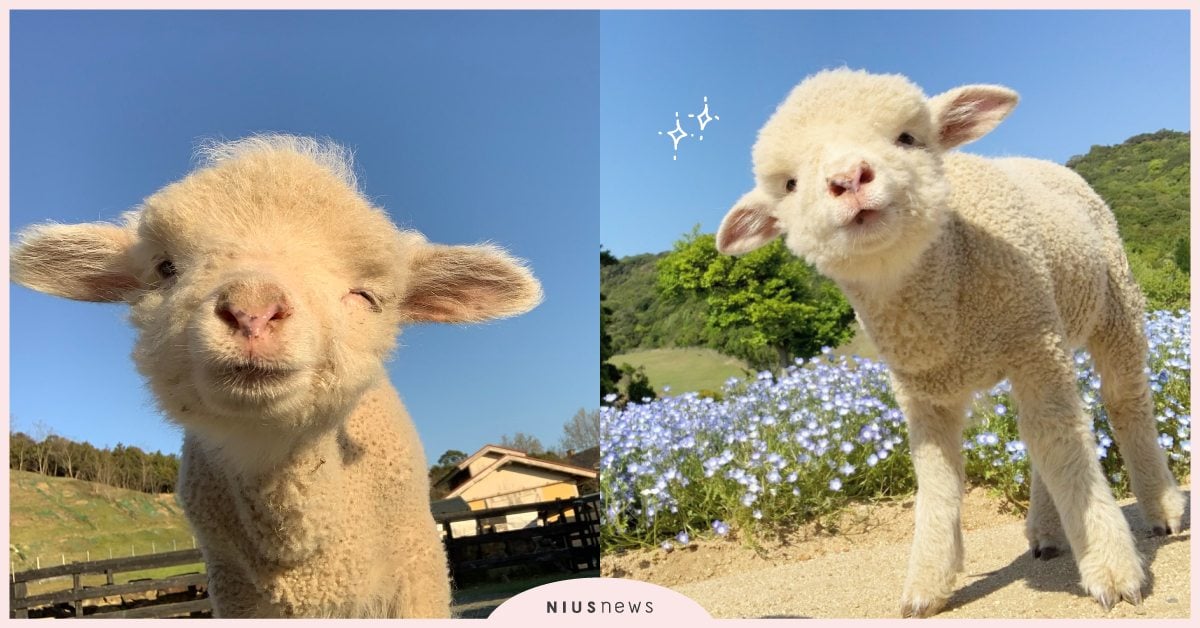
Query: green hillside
column 640, row 318
column 685, row 369
column 51, row 517
column 1146, row 182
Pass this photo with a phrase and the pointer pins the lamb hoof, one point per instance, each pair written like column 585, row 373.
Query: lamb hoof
column 1108, row 596
column 1161, row 531
column 1109, row 599
column 920, row 607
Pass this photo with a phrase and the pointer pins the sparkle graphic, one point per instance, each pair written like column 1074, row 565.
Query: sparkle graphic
column 703, row 117
column 677, row 134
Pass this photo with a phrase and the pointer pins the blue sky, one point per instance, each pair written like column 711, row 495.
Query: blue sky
column 467, row 126
column 1085, row 78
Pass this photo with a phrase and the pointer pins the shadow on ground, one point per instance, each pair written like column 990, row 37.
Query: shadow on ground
column 1060, row 574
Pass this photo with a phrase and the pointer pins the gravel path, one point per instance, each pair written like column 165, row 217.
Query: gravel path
column 1001, row 580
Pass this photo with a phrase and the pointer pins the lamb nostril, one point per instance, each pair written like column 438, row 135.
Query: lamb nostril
column 226, row 314
column 836, row 190
column 251, row 324
column 866, row 175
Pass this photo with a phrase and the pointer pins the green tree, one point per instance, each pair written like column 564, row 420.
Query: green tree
column 1146, row 180
column 609, row 374
column 451, row 458
column 1166, row 286
column 1183, row 254
column 606, row 258
column 637, row 385
column 766, row 307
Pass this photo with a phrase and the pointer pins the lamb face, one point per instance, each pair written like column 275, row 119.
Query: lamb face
column 849, row 169
column 273, row 293
column 266, row 291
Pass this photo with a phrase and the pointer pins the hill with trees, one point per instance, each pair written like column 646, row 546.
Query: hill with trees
column 1146, row 180
column 768, row 306
column 121, row 466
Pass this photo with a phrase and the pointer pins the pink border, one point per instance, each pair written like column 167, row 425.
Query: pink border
column 550, row 4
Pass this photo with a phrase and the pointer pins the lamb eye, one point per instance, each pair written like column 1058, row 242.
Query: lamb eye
column 166, row 269
column 906, row 139
column 791, row 185
column 370, row 298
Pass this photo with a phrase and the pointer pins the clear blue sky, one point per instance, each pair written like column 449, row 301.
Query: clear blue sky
column 467, row 126
column 1085, row 78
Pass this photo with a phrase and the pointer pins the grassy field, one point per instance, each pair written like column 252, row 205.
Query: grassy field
column 692, row 369
column 860, row 345
column 57, row 519
column 684, row 370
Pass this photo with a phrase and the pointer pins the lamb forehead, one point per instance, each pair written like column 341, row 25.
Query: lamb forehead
column 839, row 99
column 261, row 192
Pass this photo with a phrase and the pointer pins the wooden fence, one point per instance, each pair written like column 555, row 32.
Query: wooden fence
column 563, row 532
column 172, row 596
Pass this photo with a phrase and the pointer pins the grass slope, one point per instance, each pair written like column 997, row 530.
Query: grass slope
column 56, row 518
column 692, row 369
column 684, row 369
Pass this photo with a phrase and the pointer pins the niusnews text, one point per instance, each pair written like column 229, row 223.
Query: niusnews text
column 592, row 607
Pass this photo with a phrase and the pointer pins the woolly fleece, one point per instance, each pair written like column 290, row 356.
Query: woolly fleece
column 963, row 271
column 267, row 293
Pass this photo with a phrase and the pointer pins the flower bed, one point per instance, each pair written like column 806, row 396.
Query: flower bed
column 798, row 445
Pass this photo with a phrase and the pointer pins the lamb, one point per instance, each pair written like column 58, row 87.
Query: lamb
column 267, row 293
column 963, row 271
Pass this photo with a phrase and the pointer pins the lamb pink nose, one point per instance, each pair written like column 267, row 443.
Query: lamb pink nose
column 851, row 180
column 252, row 321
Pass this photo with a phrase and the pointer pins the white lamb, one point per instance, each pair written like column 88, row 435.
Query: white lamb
column 964, row 271
column 267, row 293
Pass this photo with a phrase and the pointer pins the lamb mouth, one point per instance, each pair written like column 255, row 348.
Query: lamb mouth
column 252, row 375
column 865, row 218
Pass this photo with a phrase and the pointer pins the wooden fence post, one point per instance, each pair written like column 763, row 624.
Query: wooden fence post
column 77, row 590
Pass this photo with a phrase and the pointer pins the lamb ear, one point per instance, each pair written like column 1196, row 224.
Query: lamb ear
column 748, row 225
column 86, row 262
column 965, row 114
column 468, row 284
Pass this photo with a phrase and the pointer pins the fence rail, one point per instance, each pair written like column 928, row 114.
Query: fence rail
column 181, row 594
column 565, row 532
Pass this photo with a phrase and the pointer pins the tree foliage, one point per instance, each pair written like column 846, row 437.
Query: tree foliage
column 121, row 466
column 638, row 388
column 766, row 307
column 1166, row 286
column 581, row 431
column 523, row 442
column 609, row 374
column 451, row 457
column 1146, row 181
column 639, row 316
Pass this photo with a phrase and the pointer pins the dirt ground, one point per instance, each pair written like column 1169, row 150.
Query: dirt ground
column 855, row 568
